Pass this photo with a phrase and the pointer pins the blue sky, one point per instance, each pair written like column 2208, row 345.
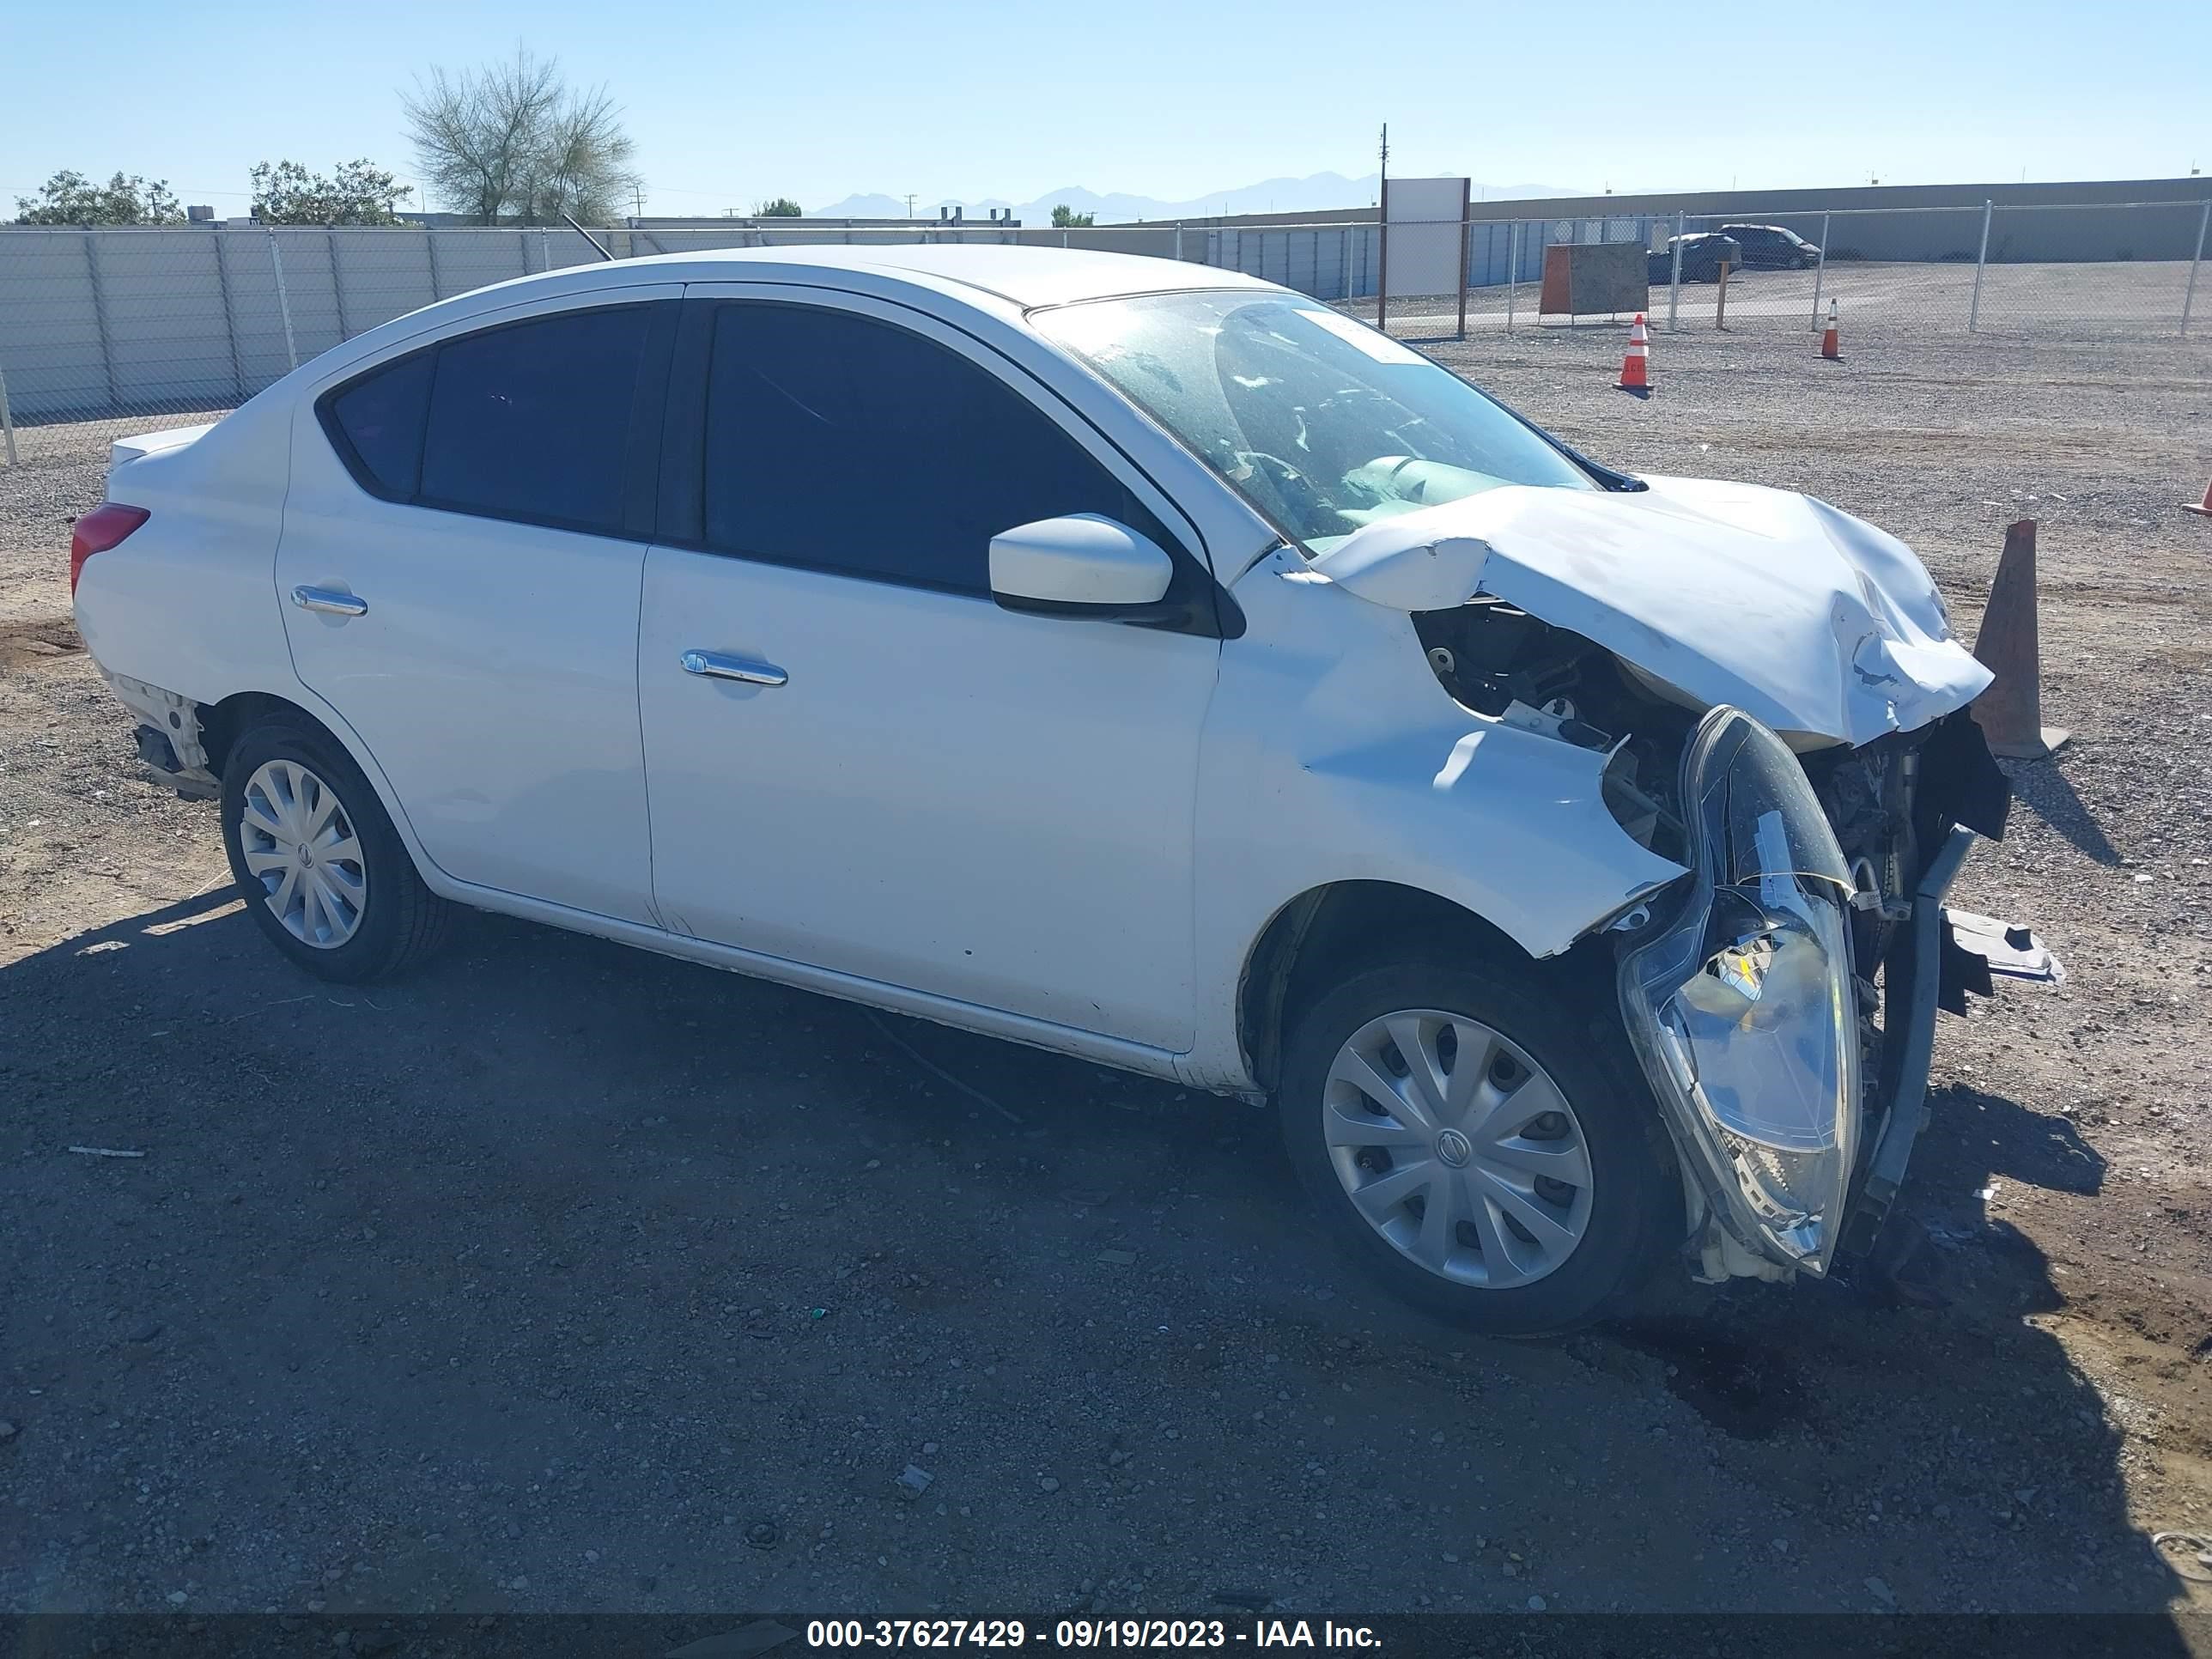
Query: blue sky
column 1163, row 98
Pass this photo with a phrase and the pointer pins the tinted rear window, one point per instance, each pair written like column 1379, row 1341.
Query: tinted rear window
column 382, row 417
column 529, row 421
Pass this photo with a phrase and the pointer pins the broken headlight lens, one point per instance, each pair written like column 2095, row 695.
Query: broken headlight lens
column 1743, row 1010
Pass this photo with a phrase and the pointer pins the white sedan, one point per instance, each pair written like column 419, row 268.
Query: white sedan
column 1119, row 656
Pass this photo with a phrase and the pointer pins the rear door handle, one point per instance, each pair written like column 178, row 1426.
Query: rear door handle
column 331, row 601
column 716, row 666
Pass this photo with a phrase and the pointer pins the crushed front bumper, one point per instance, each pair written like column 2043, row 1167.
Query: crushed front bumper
column 1943, row 956
column 1911, row 995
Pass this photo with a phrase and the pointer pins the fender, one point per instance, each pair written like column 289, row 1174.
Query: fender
column 1332, row 753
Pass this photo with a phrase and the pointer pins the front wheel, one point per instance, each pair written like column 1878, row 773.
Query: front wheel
column 1468, row 1141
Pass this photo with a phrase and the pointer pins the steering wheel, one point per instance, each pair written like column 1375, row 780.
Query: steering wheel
column 1295, row 486
column 1345, row 397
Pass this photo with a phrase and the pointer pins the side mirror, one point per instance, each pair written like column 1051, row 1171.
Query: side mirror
column 1082, row 565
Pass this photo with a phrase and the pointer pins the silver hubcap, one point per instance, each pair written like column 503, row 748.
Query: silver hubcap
column 300, row 845
column 1457, row 1148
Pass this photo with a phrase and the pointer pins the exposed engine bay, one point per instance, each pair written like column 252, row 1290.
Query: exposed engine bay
column 1497, row 659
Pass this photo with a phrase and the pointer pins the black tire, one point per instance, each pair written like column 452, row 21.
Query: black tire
column 1634, row 1211
column 400, row 921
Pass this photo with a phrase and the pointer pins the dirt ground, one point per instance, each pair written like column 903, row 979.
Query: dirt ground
column 560, row 1276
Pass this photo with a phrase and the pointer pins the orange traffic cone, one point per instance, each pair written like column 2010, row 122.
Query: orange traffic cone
column 2010, row 645
column 1635, row 366
column 2204, row 511
column 1829, row 348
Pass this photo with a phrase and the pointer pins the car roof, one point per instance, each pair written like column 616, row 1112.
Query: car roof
column 986, row 277
column 1025, row 276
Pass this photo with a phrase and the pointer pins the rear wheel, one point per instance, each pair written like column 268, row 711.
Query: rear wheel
column 1473, row 1146
column 327, row 877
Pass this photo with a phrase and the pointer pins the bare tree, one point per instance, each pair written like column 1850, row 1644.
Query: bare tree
column 472, row 132
column 514, row 140
column 582, row 166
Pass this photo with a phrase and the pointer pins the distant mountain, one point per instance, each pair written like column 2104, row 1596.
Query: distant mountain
column 874, row 206
column 862, row 207
column 1319, row 193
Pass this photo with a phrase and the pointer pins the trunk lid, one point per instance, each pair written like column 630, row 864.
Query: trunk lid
column 142, row 444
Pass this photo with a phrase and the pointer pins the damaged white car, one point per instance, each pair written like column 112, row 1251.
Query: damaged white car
column 1119, row 656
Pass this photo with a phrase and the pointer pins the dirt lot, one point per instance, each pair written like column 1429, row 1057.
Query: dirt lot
column 561, row 1277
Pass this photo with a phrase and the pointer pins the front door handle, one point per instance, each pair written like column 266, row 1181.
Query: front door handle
column 716, row 666
column 331, row 601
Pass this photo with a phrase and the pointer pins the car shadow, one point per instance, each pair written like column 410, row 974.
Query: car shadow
column 1928, row 1354
column 556, row 1247
column 2045, row 790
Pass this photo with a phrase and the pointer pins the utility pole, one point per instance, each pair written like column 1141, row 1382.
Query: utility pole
column 637, row 199
column 909, row 205
column 1383, row 236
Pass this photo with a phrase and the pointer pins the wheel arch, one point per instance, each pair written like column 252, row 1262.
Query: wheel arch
column 1329, row 930
column 223, row 722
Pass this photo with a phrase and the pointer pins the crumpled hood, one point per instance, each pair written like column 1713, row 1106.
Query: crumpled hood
column 1810, row 620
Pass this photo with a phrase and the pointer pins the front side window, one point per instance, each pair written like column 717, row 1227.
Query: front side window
column 1324, row 424
column 840, row 442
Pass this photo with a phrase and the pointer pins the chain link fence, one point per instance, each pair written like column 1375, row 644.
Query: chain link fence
column 142, row 328
column 2118, row 271
column 2127, row 270
column 156, row 326
column 145, row 327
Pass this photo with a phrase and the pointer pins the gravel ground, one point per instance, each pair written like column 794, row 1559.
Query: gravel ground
column 560, row 1276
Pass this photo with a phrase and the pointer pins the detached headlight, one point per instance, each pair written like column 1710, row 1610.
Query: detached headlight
column 1743, row 1009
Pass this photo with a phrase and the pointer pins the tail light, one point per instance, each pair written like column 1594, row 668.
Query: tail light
column 99, row 530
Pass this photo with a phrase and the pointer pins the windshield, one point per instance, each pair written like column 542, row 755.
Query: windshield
column 1321, row 422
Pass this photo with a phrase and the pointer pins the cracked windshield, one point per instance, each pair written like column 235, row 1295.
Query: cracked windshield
column 1323, row 423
